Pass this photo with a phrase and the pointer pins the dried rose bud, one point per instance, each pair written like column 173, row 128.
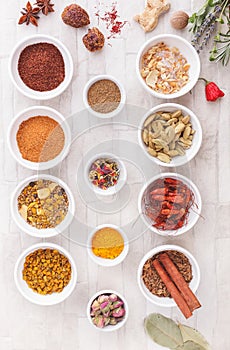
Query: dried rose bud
column 75, row 16
column 113, row 297
column 94, row 40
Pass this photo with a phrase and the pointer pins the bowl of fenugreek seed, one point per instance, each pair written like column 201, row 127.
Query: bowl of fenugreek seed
column 42, row 206
column 170, row 134
column 104, row 96
column 45, row 274
column 39, row 138
column 167, row 66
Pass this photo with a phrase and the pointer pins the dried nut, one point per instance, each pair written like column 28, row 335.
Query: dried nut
column 166, row 116
column 176, row 114
column 186, row 132
column 23, row 212
column 52, row 186
column 151, row 78
column 179, row 128
column 163, row 157
column 152, row 152
column 94, row 40
column 75, row 16
column 173, row 153
column 172, row 121
column 185, row 119
column 179, row 20
column 43, row 193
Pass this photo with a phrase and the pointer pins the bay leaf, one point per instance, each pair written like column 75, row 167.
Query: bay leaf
column 163, row 331
column 190, row 345
column 189, row 333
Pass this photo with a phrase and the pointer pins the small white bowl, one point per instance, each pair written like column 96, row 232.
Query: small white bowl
column 104, row 115
column 121, row 180
column 32, row 112
column 108, row 328
column 33, row 231
column 13, row 67
column 103, row 261
column 187, row 51
column 28, row 293
column 197, row 139
column 165, row 301
column 194, row 213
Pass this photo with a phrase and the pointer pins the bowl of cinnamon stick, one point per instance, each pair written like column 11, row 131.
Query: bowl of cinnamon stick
column 169, row 276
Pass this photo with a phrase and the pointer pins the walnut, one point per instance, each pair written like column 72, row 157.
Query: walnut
column 94, row 40
column 148, row 20
column 75, row 16
column 179, row 20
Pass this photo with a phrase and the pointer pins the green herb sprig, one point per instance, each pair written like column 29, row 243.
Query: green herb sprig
column 212, row 17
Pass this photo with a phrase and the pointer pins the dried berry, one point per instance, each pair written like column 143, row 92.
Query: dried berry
column 75, row 16
column 94, row 40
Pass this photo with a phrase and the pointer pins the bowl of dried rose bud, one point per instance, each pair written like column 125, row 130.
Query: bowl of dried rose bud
column 170, row 134
column 107, row 310
column 105, row 174
column 45, row 274
column 163, row 266
column 167, row 66
column 41, row 67
column 107, row 245
column 42, row 206
column 104, row 96
column 39, row 138
column 169, row 204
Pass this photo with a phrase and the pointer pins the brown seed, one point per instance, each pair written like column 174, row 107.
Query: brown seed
column 94, row 40
column 179, row 20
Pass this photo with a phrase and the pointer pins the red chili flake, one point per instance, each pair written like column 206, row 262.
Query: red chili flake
column 110, row 18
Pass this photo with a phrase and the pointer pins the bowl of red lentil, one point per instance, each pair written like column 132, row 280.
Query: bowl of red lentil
column 39, row 138
column 47, row 79
column 105, row 174
column 151, row 285
column 104, row 96
column 45, row 274
column 42, row 206
column 107, row 245
column 167, row 66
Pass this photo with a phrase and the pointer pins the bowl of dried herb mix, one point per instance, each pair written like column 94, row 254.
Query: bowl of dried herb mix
column 42, row 206
column 39, row 138
column 107, row 245
column 47, row 79
column 104, row 96
column 105, row 173
column 45, row 274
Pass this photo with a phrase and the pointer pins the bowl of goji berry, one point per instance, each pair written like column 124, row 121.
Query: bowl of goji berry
column 170, row 204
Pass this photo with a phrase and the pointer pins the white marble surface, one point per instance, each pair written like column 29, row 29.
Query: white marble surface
column 24, row 326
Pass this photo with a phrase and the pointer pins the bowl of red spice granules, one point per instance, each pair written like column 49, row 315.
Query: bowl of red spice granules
column 41, row 67
column 39, row 138
column 104, row 96
column 105, row 174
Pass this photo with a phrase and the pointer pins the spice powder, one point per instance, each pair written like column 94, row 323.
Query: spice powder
column 104, row 96
column 41, row 67
column 107, row 243
column 40, row 139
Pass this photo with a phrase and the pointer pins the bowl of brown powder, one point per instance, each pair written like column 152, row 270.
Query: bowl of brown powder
column 41, row 67
column 39, row 138
column 104, row 96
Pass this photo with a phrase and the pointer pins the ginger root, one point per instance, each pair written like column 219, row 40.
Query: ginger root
column 148, row 19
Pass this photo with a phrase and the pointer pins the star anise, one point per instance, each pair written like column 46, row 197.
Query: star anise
column 29, row 15
column 45, row 6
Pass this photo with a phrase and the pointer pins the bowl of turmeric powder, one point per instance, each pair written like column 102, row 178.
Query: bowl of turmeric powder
column 107, row 245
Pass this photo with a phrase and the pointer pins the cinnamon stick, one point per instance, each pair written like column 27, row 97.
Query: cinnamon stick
column 178, row 279
column 181, row 303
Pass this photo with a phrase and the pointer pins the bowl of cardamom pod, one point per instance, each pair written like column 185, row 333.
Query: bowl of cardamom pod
column 170, row 134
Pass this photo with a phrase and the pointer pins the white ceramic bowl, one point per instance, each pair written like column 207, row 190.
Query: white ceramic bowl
column 13, row 67
column 187, row 51
column 108, row 262
column 197, row 139
column 33, row 231
column 194, row 212
column 113, row 189
column 34, row 297
column 26, row 114
column 108, row 328
column 104, row 115
column 161, row 301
